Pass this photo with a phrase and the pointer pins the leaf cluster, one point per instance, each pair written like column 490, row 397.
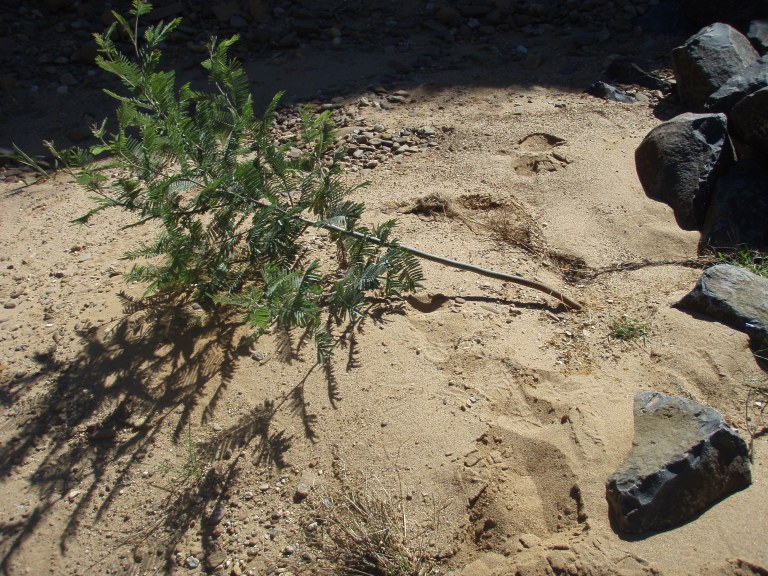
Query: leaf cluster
column 231, row 206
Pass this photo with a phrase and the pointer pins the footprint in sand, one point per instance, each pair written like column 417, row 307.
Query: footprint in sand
column 537, row 154
column 517, row 484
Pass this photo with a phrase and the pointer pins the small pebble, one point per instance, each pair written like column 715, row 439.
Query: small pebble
column 217, row 515
column 302, row 491
column 215, row 559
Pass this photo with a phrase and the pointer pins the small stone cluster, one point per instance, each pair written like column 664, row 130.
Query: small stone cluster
column 709, row 164
column 366, row 146
column 370, row 147
column 255, row 532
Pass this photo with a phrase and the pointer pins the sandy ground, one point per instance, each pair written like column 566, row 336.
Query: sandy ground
column 493, row 421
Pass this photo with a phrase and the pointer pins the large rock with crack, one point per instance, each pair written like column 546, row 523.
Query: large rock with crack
column 678, row 162
column 742, row 84
column 707, row 60
column 684, row 458
column 734, row 296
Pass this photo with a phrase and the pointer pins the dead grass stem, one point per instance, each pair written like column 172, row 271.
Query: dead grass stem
column 364, row 532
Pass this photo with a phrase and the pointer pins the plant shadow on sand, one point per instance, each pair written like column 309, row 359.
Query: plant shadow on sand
column 137, row 380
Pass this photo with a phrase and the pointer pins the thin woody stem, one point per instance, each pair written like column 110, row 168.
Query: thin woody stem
column 573, row 304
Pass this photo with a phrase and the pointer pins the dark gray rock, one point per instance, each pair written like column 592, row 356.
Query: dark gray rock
column 758, row 35
column 684, row 458
column 749, row 80
column 749, row 120
column 307, row 482
column 475, row 9
column 707, row 60
column 734, row 296
column 449, row 16
column 679, row 161
column 738, row 210
column 607, row 92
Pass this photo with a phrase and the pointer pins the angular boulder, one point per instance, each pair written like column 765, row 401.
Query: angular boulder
column 607, row 92
column 734, row 296
column 707, row 60
column 749, row 80
column 684, row 458
column 679, row 161
column 749, row 120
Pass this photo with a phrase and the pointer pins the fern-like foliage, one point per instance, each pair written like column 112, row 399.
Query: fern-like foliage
column 232, row 207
